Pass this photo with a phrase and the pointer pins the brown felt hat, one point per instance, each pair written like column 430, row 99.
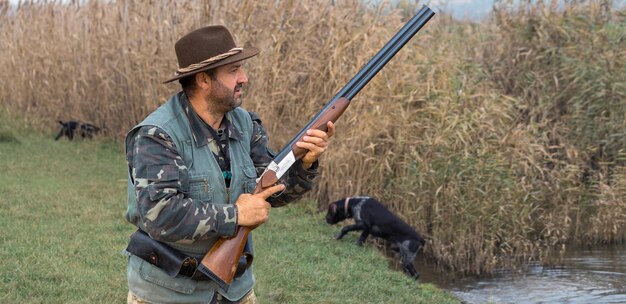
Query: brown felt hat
column 207, row 48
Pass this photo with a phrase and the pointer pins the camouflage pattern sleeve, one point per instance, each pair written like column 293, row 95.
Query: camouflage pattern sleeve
column 298, row 180
column 165, row 211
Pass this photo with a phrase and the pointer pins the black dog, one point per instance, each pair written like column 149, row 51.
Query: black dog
column 72, row 127
column 371, row 216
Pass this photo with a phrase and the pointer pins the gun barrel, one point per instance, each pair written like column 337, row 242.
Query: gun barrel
column 369, row 70
column 384, row 55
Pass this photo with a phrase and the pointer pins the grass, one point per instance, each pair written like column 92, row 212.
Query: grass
column 299, row 261
column 61, row 220
column 61, row 217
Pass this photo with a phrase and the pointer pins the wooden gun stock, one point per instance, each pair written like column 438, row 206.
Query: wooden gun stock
column 221, row 262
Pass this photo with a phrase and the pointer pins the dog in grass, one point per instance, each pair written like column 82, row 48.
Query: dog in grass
column 371, row 217
column 73, row 128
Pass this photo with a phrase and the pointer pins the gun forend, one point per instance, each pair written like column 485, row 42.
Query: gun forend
column 331, row 114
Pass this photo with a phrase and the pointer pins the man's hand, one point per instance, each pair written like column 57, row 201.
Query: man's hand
column 316, row 141
column 253, row 209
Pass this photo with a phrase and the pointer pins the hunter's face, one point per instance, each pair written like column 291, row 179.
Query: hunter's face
column 227, row 87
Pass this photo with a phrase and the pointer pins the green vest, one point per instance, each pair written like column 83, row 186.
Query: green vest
column 207, row 185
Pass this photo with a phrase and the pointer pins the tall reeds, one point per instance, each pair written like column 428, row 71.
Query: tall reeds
column 503, row 141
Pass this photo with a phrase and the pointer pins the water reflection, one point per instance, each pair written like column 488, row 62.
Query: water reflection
column 588, row 276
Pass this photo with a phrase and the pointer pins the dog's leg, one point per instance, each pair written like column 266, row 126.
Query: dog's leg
column 394, row 247
column 363, row 236
column 406, row 257
column 60, row 134
column 62, row 131
column 349, row 228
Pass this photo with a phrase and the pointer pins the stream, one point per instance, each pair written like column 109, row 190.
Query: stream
column 595, row 275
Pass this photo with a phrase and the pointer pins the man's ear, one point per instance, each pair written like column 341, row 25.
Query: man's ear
column 203, row 80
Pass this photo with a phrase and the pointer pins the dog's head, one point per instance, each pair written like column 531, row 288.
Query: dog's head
column 336, row 212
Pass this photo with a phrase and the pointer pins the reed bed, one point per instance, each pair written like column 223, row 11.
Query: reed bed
column 502, row 140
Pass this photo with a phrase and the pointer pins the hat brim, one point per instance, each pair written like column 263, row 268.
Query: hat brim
column 244, row 54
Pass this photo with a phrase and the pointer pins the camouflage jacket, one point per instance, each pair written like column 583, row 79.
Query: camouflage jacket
column 151, row 146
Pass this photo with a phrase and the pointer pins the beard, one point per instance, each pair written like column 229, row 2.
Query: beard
column 222, row 98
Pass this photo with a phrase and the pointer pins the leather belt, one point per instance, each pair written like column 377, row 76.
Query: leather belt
column 170, row 260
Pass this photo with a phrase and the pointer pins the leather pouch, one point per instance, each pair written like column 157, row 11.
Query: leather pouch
column 170, row 260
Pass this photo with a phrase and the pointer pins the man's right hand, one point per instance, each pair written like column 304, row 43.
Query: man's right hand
column 253, row 209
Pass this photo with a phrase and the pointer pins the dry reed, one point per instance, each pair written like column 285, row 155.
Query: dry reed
column 502, row 140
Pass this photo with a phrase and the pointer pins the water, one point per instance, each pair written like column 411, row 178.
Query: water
column 587, row 276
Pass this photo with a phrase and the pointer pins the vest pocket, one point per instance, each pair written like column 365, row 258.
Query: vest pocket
column 200, row 189
column 157, row 276
column 249, row 182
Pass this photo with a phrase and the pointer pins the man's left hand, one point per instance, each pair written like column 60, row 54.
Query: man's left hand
column 316, row 141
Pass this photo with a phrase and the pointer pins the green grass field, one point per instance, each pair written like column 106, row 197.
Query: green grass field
column 62, row 231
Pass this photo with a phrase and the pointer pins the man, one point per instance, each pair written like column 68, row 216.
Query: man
column 192, row 164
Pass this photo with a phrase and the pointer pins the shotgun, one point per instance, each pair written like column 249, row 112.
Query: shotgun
column 220, row 263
